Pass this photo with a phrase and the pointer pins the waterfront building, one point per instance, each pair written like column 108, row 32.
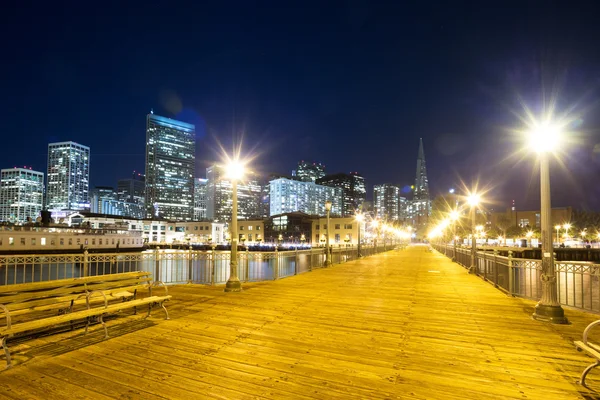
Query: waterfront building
column 386, row 202
column 288, row 196
column 309, row 172
column 219, row 196
column 354, row 192
column 21, row 195
column 170, row 163
column 68, row 176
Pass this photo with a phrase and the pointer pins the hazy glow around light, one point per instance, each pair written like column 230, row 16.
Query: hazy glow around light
column 544, row 137
column 473, row 199
column 234, row 170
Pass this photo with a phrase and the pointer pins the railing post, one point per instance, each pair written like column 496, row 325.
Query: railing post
column 511, row 278
column 86, row 265
column 296, row 262
column 190, row 265
column 247, row 274
column 156, row 265
column 276, row 265
column 212, row 268
column 310, row 263
column 495, row 268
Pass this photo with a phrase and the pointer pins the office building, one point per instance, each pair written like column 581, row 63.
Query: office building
column 170, row 163
column 21, row 195
column 219, row 199
column 386, row 202
column 200, row 187
column 419, row 208
column 309, row 172
column 353, row 188
column 68, row 181
column 288, row 196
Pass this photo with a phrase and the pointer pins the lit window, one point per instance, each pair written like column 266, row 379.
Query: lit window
column 11, row 241
column 43, row 241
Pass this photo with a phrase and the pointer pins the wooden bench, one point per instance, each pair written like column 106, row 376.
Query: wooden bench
column 590, row 348
column 40, row 306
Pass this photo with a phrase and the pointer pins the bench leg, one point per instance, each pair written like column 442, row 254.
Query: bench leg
column 7, row 353
column 586, row 371
column 103, row 325
column 162, row 304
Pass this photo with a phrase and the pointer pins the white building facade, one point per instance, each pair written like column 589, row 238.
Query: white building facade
column 68, row 176
column 288, row 196
column 21, row 195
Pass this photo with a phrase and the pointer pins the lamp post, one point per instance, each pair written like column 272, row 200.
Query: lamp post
column 454, row 215
column 557, row 227
column 473, row 201
column 543, row 139
column 327, row 255
column 235, row 171
column 359, row 219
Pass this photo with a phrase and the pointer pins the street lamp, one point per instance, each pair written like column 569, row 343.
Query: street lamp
column 234, row 172
column 557, row 227
column 473, row 201
column 567, row 227
column 327, row 255
column 454, row 215
column 359, row 219
column 543, row 139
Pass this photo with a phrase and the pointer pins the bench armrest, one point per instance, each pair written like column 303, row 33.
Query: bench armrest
column 89, row 295
column 159, row 283
column 588, row 329
column 8, row 321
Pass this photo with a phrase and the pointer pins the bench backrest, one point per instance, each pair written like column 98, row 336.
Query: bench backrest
column 37, row 296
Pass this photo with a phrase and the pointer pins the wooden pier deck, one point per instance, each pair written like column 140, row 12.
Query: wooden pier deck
column 402, row 324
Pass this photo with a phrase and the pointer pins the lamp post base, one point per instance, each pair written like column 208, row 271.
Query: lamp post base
column 552, row 314
column 233, row 286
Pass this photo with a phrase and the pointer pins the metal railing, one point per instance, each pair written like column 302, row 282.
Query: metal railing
column 176, row 266
column 578, row 282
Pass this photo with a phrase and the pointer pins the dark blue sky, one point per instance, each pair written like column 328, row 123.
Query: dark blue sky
column 350, row 84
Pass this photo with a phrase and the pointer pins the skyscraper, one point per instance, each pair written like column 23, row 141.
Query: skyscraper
column 420, row 207
column 353, row 188
column 219, row 196
column 200, row 199
column 309, row 172
column 386, row 202
column 68, row 176
column 21, row 194
column 170, row 163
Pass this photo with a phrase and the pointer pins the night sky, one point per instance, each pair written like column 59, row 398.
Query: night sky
column 353, row 85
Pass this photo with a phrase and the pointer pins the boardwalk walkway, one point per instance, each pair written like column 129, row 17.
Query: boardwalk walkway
column 402, row 324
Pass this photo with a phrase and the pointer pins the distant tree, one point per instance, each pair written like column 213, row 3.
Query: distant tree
column 503, row 223
column 514, row 232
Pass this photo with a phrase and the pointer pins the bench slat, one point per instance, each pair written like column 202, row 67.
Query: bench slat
column 590, row 348
column 20, row 287
column 73, row 288
column 58, row 319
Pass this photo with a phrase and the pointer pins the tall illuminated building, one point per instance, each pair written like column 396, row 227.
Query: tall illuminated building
column 288, row 195
column 219, row 196
column 309, row 172
column 386, row 202
column 419, row 208
column 170, row 163
column 200, row 199
column 21, row 195
column 68, row 176
column 354, row 192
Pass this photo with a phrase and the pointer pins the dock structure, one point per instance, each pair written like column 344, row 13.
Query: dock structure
column 401, row 324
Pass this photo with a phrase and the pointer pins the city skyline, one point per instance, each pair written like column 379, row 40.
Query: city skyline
column 350, row 85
